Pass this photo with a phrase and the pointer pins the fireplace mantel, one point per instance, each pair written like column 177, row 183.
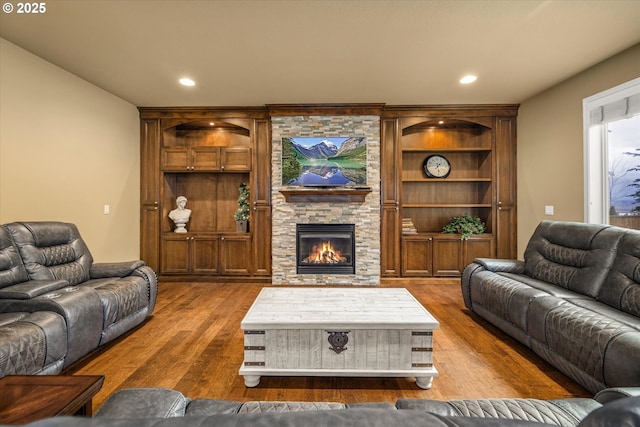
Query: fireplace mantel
column 326, row 195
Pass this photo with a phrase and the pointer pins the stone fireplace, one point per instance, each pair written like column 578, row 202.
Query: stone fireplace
column 363, row 216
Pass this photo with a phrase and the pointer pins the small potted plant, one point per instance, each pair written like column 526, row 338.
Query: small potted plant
column 465, row 225
column 242, row 214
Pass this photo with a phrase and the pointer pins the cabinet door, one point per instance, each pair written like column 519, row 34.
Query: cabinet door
column 236, row 159
column 236, row 255
column 175, row 254
column 205, row 158
column 506, row 218
column 205, row 252
column 150, row 193
column 390, row 241
column 447, row 256
column 175, row 159
column 477, row 246
column 261, row 231
column 416, row 256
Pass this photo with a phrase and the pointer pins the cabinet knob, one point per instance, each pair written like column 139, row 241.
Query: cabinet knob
column 222, row 238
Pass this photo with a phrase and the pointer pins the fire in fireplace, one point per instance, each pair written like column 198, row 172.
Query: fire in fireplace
column 325, row 249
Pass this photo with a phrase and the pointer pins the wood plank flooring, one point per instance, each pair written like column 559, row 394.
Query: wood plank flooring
column 193, row 343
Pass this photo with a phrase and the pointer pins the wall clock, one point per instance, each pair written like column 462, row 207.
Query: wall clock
column 436, row 166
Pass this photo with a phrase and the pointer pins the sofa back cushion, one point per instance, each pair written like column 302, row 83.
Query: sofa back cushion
column 575, row 256
column 52, row 250
column 12, row 269
column 621, row 289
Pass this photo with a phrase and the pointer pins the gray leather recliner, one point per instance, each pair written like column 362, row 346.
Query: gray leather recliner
column 47, row 267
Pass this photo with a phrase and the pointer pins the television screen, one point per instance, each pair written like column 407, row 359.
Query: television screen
column 324, row 161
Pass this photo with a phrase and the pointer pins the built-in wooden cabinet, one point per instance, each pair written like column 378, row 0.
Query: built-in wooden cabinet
column 205, row 154
column 479, row 143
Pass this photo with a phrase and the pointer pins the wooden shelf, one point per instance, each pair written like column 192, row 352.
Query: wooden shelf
column 446, row 205
column 325, row 195
column 445, row 150
column 428, row 180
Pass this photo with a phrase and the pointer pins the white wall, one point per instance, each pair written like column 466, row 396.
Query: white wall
column 550, row 143
column 67, row 148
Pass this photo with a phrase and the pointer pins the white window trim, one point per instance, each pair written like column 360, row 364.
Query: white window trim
column 596, row 196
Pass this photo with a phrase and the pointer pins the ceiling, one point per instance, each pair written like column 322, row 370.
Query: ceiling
column 244, row 52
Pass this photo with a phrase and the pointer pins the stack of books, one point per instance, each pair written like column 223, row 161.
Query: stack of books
column 408, row 227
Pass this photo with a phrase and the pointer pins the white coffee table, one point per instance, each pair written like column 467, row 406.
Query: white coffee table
column 359, row 332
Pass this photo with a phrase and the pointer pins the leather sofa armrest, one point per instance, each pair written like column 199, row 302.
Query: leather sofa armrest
column 501, row 265
column 31, row 289
column 614, row 393
column 622, row 412
column 144, row 403
column 101, row 270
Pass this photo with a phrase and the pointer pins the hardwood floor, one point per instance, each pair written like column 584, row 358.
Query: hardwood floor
column 193, row 343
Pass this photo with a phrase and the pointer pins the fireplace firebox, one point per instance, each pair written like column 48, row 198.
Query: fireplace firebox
column 325, row 249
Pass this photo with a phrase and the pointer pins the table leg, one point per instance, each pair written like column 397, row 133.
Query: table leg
column 424, row 382
column 251, row 380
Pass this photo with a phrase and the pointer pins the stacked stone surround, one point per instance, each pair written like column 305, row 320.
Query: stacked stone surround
column 365, row 216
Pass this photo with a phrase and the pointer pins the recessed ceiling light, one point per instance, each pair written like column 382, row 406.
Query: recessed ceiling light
column 468, row 79
column 187, row 82
column 212, row 124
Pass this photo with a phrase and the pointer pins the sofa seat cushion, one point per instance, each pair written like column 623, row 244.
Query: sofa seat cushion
column 32, row 343
column 584, row 338
column 121, row 297
column 253, row 407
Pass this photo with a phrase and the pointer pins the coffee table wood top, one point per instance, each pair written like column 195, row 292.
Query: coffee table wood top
column 357, row 308
column 27, row 398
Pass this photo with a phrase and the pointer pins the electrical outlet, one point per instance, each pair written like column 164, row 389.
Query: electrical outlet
column 107, row 209
column 548, row 210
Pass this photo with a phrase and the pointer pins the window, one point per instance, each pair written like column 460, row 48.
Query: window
column 612, row 156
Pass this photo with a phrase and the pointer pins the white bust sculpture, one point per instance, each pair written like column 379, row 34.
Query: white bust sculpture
column 180, row 215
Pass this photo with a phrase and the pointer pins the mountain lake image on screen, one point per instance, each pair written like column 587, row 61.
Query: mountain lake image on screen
column 324, row 161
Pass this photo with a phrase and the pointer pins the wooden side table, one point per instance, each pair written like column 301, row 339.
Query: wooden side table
column 27, row 398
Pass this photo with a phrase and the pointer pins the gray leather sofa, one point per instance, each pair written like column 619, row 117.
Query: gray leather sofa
column 56, row 304
column 574, row 300
column 164, row 407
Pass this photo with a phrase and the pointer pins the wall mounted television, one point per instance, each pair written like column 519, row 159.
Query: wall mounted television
column 324, row 161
